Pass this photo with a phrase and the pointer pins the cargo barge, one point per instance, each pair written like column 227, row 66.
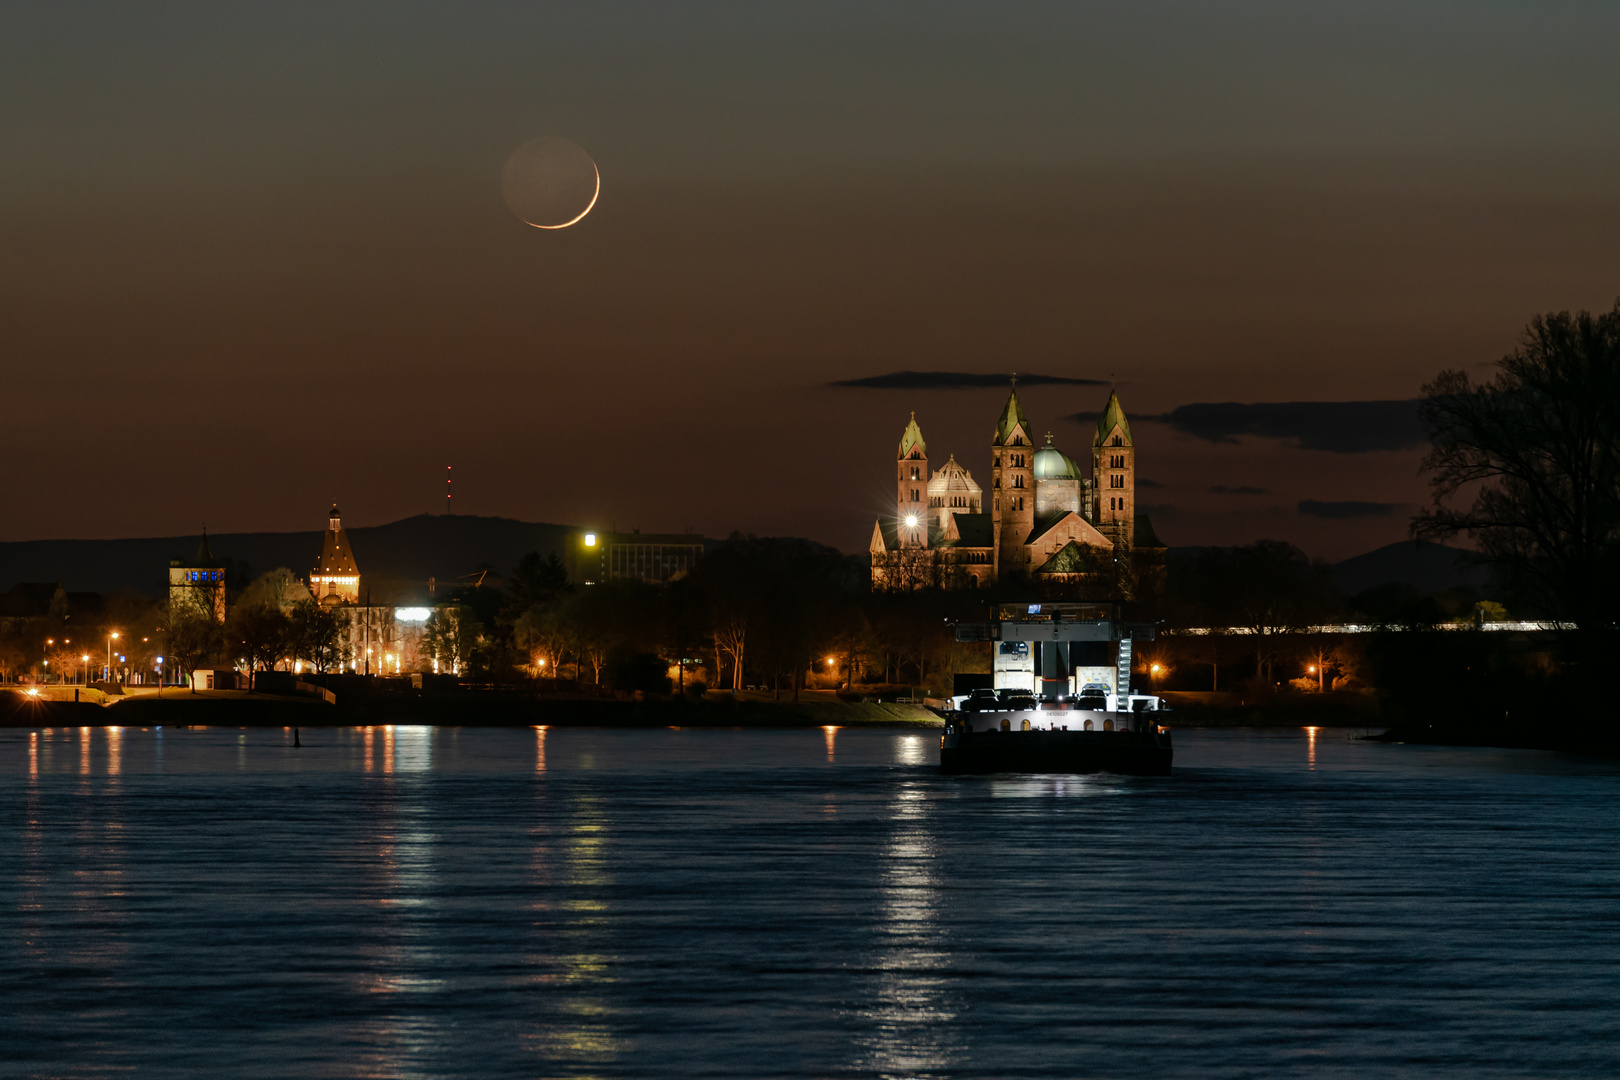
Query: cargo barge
column 1058, row 697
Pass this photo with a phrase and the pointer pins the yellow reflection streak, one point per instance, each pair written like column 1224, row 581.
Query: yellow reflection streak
column 115, row 750
column 1310, row 746
column 84, row 751
column 831, row 731
column 540, row 748
column 33, row 754
column 369, row 763
column 581, row 1029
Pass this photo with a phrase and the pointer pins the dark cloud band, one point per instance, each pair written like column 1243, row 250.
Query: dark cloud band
column 1241, row 489
column 1340, row 511
column 1339, row 427
column 956, row 380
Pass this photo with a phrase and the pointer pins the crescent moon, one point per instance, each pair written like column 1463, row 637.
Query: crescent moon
column 594, row 196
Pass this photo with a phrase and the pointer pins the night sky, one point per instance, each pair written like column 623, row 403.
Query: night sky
column 253, row 262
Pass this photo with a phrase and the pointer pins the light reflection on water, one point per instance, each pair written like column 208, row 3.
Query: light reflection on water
column 562, row 902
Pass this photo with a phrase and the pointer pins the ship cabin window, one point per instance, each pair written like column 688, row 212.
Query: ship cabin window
column 1090, row 725
column 1006, row 725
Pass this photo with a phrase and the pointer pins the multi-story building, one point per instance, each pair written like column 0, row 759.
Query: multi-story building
column 658, row 558
column 197, row 585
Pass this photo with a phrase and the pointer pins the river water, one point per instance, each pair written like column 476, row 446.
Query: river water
column 463, row 902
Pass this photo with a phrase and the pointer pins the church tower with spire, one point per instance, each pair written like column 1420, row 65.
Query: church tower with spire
column 1113, row 467
column 911, row 483
column 1012, row 489
column 337, row 579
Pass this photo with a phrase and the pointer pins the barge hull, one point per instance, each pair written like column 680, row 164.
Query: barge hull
column 1130, row 753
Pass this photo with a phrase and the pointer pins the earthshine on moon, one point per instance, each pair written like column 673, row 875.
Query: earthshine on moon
column 550, row 183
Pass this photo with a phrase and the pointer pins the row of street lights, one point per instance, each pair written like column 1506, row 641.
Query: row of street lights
column 112, row 636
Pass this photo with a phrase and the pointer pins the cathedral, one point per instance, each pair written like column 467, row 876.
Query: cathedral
column 1050, row 521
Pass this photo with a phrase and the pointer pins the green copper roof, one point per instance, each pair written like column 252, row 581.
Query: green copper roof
column 1053, row 464
column 1011, row 417
column 1073, row 558
column 912, row 437
column 1112, row 415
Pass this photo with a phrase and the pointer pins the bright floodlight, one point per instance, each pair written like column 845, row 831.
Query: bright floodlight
column 412, row 614
column 911, row 519
column 590, row 539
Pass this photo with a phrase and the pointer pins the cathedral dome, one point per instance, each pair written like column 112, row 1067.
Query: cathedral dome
column 1053, row 464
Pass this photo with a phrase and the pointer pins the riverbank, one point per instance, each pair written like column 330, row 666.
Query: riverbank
column 1208, row 709
column 229, row 708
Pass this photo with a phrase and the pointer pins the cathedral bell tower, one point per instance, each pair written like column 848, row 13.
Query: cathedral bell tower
column 1012, row 489
column 911, row 482
column 1113, row 468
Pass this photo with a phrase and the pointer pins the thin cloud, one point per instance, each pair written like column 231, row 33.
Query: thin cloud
column 1144, row 482
column 956, row 380
column 1338, row 427
column 1341, row 511
column 1241, row 489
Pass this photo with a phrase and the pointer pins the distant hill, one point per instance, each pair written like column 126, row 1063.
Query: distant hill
column 1427, row 567
column 451, row 546
column 413, row 549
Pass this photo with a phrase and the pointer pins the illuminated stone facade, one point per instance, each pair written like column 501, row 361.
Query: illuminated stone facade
column 197, row 585
column 1048, row 519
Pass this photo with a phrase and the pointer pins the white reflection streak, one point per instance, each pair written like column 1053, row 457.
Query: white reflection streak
column 32, row 879
column 579, row 1027
column 913, row 1016
column 409, row 901
column 412, row 749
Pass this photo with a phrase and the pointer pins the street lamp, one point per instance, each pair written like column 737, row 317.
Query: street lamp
column 85, row 675
column 111, row 637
